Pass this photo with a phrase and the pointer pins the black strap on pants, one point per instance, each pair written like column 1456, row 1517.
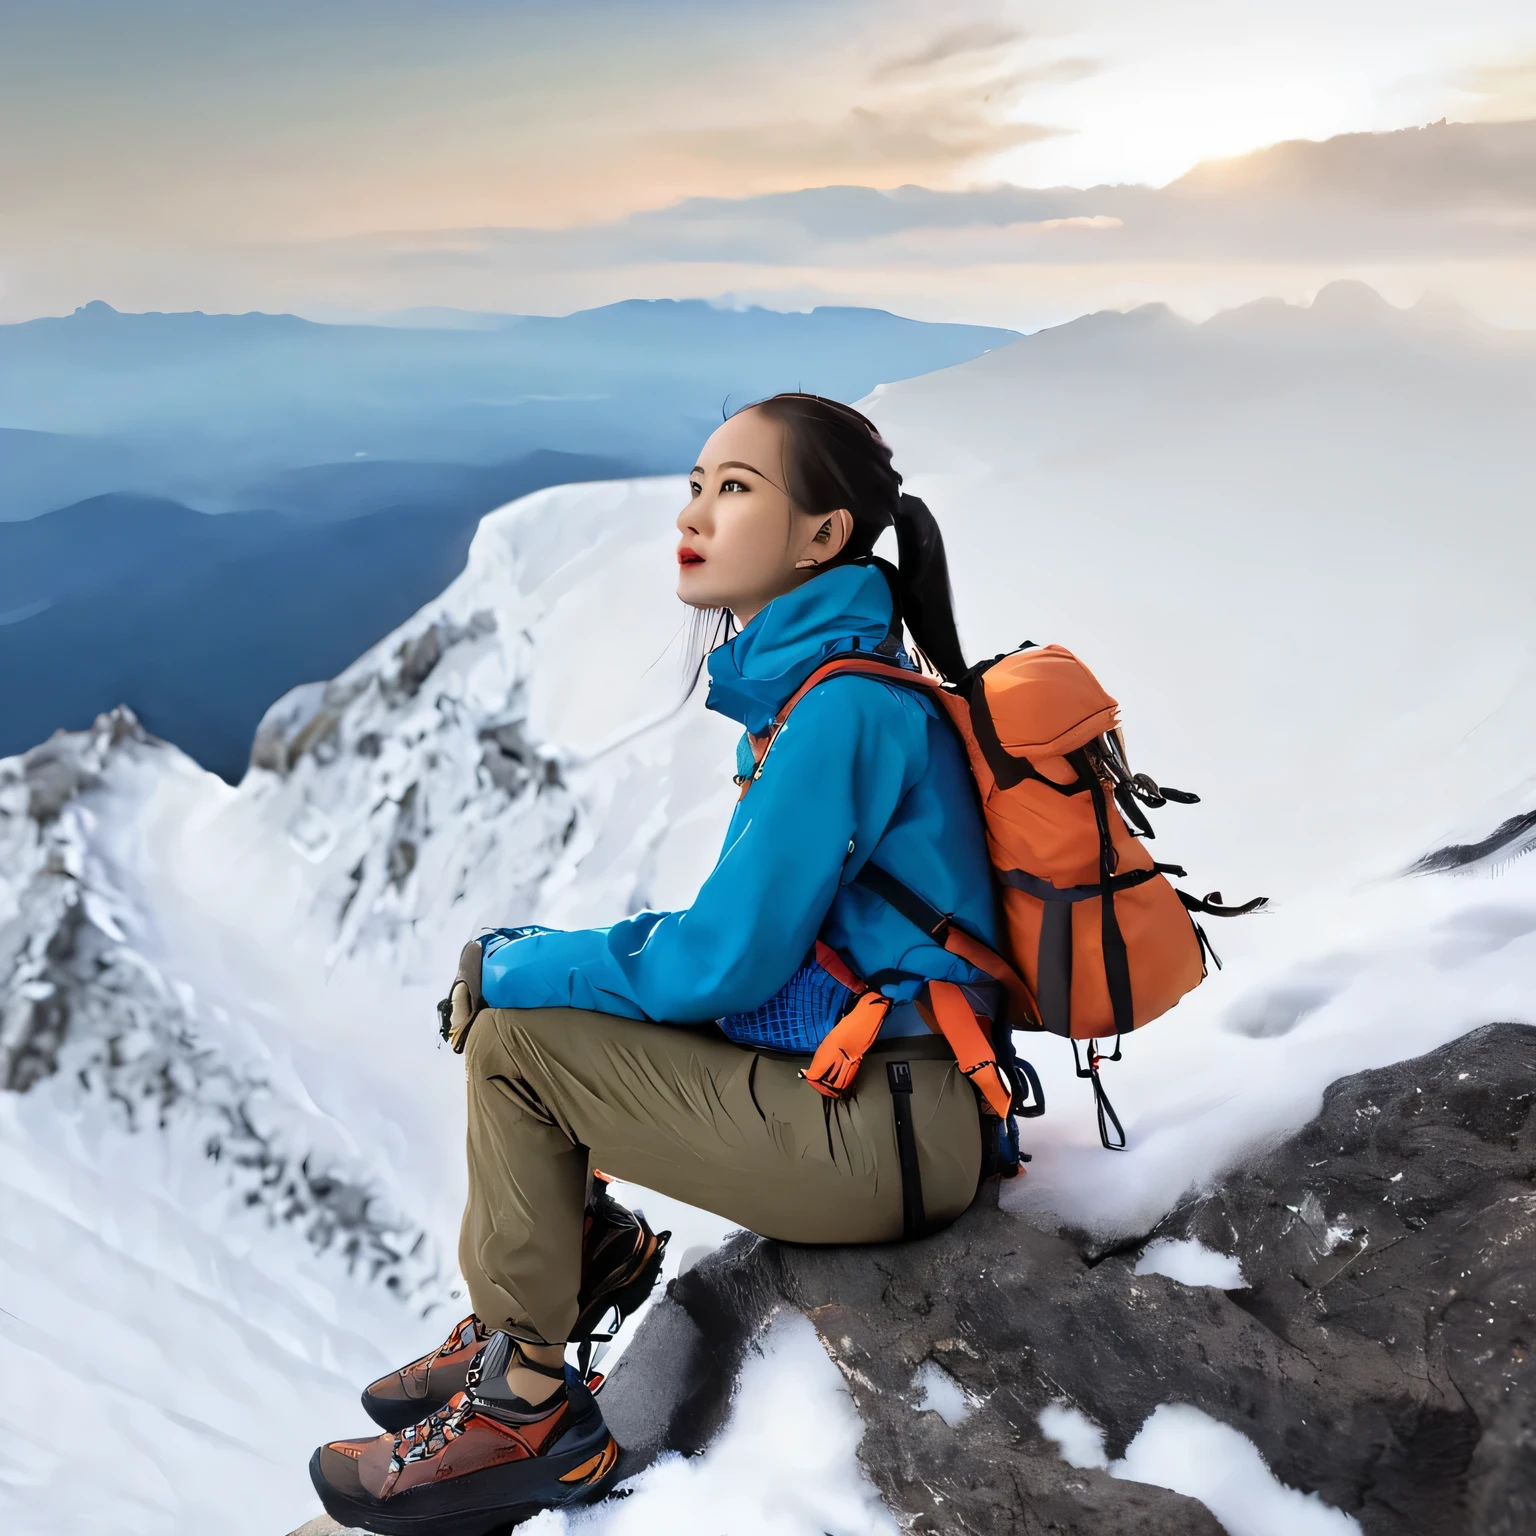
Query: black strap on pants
column 914, row 1222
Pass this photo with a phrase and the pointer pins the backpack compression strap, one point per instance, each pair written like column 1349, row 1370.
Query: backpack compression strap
column 948, row 1013
column 960, row 1026
column 840, row 1055
column 1022, row 1012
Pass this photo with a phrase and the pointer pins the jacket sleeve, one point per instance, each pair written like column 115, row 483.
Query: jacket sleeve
column 831, row 783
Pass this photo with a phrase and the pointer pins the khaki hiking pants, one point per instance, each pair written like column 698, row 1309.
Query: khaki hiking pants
column 682, row 1110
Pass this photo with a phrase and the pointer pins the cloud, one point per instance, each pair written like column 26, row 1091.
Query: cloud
column 1066, row 71
column 930, row 138
column 1502, row 92
column 1084, row 221
column 915, row 119
column 1434, row 168
column 978, row 38
column 1456, row 190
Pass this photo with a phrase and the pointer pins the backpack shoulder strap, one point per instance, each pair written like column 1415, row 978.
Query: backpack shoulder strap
column 858, row 663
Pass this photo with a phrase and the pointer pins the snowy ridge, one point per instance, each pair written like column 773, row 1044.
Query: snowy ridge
column 439, row 773
column 193, row 1255
column 515, row 751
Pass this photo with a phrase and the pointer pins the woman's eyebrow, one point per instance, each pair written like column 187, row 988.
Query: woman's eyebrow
column 698, row 469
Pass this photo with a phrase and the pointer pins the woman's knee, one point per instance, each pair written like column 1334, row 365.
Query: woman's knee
column 515, row 1043
column 517, row 1033
column 502, row 1041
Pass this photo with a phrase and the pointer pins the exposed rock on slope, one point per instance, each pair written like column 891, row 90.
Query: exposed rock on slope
column 1380, row 1354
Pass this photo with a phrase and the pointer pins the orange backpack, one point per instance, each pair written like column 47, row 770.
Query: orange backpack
column 1097, row 942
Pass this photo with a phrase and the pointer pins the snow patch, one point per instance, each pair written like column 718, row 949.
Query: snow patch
column 1079, row 1439
column 1181, row 1448
column 198, row 1348
column 785, row 1464
column 1186, row 1450
column 1191, row 1263
column 942, row 1394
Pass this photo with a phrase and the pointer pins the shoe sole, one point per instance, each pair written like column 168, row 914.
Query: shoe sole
column 490, row 1501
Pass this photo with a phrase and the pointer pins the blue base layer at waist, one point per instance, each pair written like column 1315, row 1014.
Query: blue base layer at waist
column 797, row 1031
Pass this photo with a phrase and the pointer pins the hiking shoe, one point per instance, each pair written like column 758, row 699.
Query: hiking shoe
column 481, row 1462
column 620, row 1262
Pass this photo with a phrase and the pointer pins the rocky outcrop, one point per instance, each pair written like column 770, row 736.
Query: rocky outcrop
column 306, row 719
column 45, row 933
column 1391, row 1245
column 1380, row 1353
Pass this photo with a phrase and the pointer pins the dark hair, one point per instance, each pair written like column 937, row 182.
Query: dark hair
column 835, row 457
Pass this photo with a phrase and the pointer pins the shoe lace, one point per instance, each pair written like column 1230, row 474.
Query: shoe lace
column 437, row 1430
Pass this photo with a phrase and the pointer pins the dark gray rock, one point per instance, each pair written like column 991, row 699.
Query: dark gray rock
column 1392, row 1243
column 1380, row 1354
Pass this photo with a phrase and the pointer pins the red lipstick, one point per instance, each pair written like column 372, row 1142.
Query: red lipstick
column 686, row 556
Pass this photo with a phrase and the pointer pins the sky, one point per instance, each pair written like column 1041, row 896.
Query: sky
column 350, row 157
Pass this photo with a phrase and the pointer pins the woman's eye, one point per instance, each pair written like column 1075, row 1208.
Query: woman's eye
column 726, row 485
column 695, row 487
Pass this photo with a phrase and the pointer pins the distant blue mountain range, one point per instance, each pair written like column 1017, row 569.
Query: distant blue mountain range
column 349, row 466
column 207, row 409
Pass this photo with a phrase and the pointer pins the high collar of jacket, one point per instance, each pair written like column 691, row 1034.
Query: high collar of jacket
column 755, row 672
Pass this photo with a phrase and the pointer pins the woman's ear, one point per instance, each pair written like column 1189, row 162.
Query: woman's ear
column 833, row 530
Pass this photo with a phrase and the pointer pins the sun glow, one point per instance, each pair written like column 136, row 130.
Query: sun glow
column 1169, row 94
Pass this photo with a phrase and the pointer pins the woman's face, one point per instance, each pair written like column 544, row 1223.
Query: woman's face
column 742, row 543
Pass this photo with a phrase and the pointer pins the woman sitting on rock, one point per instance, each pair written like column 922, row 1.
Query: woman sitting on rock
column 671, row 1049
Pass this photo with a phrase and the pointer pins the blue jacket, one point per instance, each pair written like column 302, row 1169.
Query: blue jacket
column 861, row 769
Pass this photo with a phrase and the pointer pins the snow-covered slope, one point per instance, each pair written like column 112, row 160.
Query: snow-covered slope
column 196, row 1262
column 1294, row 543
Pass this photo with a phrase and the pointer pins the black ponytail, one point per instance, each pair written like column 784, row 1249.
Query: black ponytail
column 835, row 457
column 927, row 603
